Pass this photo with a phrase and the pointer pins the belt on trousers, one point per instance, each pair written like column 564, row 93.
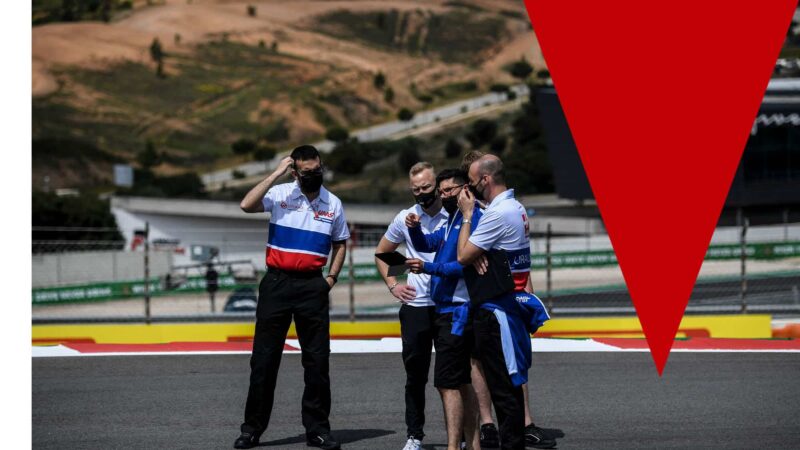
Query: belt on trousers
column 296, row 273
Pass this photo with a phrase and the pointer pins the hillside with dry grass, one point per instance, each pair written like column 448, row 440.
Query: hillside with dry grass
column 277, row 73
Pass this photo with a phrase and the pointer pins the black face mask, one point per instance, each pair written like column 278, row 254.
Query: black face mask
column 425, row 199
column 474, row 189
column 310, row 183
column 450, row 204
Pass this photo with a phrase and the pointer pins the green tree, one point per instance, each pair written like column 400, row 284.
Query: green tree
column 498, row 145
column 348, row 157
column 243, row 146
column 148, row 157
column 388, row 95
column 337, row 134
column 526, row 162
column 85, row 211
column 405, row 114
column 156, row 51
column 157, row 55
column 452, row 149
column 408, row 157
column 69, row 10
column 520, row 69
column 482, row 132
column 264, row 153
column 276, row 132
column 499, row 88
column 187, row 185
column 379, row 81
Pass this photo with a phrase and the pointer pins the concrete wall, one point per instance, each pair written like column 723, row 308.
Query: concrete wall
column 86, row 267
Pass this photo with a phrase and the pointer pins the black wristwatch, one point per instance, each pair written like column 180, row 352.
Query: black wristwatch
column 335, row 278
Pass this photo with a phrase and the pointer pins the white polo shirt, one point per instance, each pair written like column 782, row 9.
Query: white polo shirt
column 398, row 234
column 300, row 232
column 504, row 226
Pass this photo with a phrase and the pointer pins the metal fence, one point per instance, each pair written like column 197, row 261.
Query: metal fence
column 745, row 270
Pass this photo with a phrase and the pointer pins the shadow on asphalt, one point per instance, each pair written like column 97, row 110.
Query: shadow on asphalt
column 343, row 436
column 549, row 433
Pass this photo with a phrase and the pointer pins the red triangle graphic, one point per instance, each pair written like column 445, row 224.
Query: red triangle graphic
column 660, row 98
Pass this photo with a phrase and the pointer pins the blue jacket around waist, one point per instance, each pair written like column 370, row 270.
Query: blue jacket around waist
column 519, row 314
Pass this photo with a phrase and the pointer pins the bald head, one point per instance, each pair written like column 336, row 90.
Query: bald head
column 489, row 165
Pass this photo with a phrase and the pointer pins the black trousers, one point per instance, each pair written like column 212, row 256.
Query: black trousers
column 508, row 401
column 417, row 329
column 283, row 296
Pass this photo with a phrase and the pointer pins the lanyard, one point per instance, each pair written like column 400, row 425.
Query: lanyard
column 449, row 227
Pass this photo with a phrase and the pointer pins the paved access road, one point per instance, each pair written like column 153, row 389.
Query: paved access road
column 598, row 400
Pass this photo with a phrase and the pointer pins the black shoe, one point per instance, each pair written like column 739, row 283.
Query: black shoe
column 536, row 439
column 323, row 441
column 490, row 438
column 246, row 440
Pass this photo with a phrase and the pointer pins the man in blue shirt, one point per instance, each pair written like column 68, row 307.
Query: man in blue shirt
column 453, row 335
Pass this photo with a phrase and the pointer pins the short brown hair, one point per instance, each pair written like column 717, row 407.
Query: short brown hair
column 419, row 167
column 470, row 158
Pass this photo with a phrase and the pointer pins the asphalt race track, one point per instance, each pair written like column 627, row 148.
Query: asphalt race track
column 609, row 400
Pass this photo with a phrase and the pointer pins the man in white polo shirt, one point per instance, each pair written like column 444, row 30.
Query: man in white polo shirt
column 307, row 224
column 417, row 312
column 503, row 226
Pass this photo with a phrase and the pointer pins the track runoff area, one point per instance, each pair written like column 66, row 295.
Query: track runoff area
column 184, row 386
column 589, row 394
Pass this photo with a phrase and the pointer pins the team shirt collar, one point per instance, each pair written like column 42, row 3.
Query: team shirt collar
column 505, row 195
column 442, row 212
column 324, row 195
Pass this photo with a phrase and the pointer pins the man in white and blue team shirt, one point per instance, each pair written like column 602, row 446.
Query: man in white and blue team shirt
column 306, row 224
column 500, row 335
column 417, row 313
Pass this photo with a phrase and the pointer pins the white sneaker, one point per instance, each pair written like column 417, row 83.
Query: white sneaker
column 413, row 444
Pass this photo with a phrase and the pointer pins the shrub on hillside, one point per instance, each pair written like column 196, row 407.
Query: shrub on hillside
column 337, row 134
column 452, row 149
column 405, row 114
column 482, row 132
column 520, row 69
column 407, row 158
column 264, row 153
column 243, row 146
column 348, row 157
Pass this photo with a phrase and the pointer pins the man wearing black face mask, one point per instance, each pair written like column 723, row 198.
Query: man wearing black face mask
column 416, row 312
column 306, row 224
column 453, row 339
